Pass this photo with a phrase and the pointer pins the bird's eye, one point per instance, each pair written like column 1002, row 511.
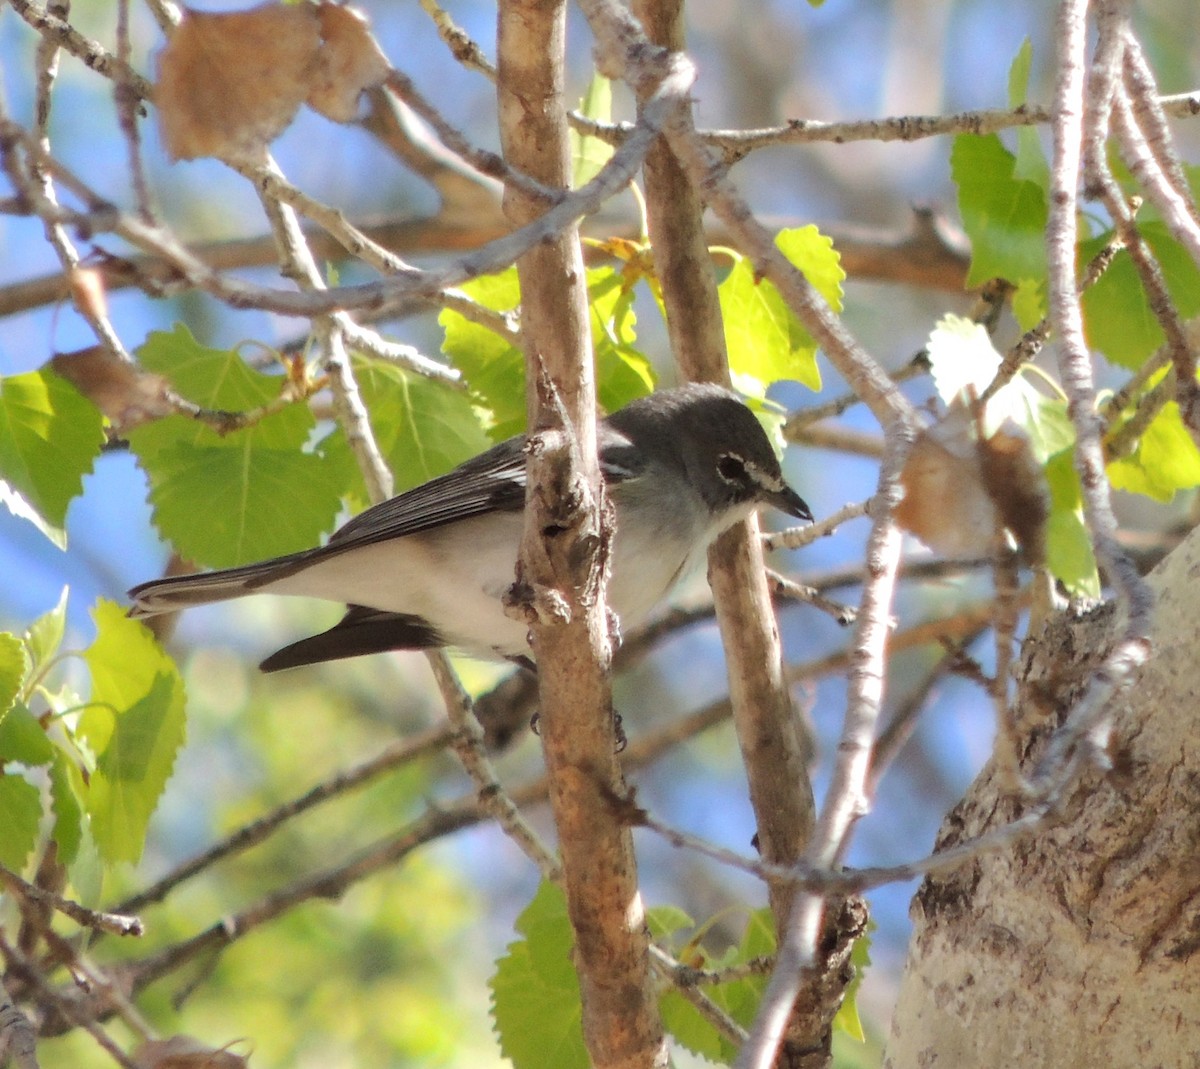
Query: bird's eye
column 731, row 468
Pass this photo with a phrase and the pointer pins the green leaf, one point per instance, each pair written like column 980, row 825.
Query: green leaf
column 23, row 739
column 134, row 725
column 766, row 341
column 423, row 428
column 66, row 802
column 12, row 671
column 1165, row 461
column 846, row 1019
column 623, row 373
column 1004, row 215
column 44, row 636
column 1069, row 553
column 535, row 991
column 217, row 379
column 493, row 368
column 50, row 434
column 1031, row 160
column 590, row 154
column 235, row 501
column 665, row 921
column 739, row 998
column 963, row 361
column 252, row 493
column 1117, row 314
column 20, row 815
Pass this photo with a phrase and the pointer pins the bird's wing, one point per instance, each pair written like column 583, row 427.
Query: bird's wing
column 491, row 482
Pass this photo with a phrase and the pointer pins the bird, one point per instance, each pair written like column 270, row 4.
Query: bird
column 428, row 568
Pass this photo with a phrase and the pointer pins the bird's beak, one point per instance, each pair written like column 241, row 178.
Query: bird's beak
column 787, row 500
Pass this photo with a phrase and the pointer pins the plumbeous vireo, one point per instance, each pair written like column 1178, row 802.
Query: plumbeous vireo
column 429, row 567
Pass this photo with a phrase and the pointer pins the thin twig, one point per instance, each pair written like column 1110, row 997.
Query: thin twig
column 395, row 755
column 119, row 923
column 69, row 1008
column 1084, row 736
column 468, row 743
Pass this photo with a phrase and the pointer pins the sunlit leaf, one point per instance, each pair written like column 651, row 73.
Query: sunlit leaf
column 589, row 154
column 493, row 367
column 50, row 435
column 535, row 990
column 12, row 671
column 236, row 502
column 1164, row 462
column 766, row 341
column 1004, row 215
column 44, row 636
column 134, row 724
column 20, row 815
column 1069, row 553
column 1117, row 314
column 623, row 372
column 1031, row 160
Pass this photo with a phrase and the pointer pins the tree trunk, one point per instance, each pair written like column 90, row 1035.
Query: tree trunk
column 1076, row 947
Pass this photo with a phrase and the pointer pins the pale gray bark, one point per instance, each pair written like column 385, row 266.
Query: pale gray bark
column 1077, row 946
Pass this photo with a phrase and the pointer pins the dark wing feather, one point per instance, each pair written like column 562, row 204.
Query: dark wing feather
column 491, row 482
column 360, row 631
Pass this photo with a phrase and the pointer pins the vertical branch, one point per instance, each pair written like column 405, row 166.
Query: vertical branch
column 564, row 553
column 849, row 791
column 1085, row 735
column 768, row 729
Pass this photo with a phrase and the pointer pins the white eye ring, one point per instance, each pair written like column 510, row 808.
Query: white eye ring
column 732, row 469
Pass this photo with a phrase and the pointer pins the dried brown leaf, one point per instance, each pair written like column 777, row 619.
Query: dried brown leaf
column 229, row 83
column 351, row 62
column 945, row 502
column 122, row 391
column 961, row 492
column 1015, row 483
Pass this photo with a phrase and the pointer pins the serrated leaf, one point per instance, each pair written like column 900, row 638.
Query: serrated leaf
column 1004, row 215
column 20, row 815
column 23, row 739
column 423, row 428
column 1117, row 315
column 623, row 373
column 1165, row 460
column 536, row 1006
column 590, row 154
column 134, row 725
column 213, row 378
column 493, row 368
column 50, row 435
column 67, row 804
column 44, row 636
column 237, row 501
column 963, row 362
column 766, row 341
column 12, row 671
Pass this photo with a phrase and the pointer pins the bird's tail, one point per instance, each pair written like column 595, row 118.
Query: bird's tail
column 183, row 591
